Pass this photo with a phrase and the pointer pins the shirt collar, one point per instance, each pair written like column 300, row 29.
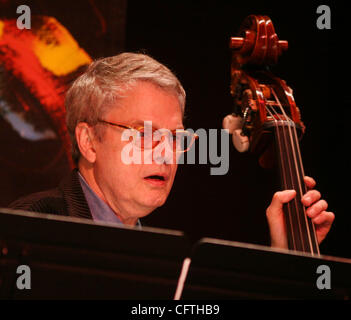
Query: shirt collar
column 100, row 210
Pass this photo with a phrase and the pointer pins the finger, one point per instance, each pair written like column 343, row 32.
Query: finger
column 310, row 182
column 323, row 224
column 275, row 217
column 278, row 200
column 310, row 197
column 324, row 219
column 318, row 207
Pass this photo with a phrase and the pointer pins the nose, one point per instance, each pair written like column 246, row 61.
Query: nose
column 163, row 152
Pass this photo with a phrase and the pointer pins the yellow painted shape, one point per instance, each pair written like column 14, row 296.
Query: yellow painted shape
column 2, row 25
column 57, row 50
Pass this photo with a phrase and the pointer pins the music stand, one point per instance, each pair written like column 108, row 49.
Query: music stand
column 73, row 258
column 231, row 270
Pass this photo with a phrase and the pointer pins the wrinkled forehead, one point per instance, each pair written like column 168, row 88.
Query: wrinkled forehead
column 147, row 102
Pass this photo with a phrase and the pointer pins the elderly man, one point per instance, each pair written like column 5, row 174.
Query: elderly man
column 122, row 93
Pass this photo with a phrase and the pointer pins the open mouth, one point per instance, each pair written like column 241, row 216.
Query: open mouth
column 155, row 177
column 156, row 180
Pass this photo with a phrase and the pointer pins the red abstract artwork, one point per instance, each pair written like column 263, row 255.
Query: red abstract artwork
column 37, row 65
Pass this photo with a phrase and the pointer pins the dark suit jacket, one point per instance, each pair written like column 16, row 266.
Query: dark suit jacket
column 67, row 199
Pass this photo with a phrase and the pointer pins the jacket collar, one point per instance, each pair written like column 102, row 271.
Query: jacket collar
column 74, row 198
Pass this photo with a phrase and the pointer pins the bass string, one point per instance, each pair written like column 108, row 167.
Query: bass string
column 283, row 171
column 294, row 183
column 298, row 174
column 308, row 222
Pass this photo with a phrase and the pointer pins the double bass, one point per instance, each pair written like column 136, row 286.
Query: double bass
column 266, row 120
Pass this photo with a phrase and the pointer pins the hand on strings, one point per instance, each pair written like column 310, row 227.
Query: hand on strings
column 315, row 209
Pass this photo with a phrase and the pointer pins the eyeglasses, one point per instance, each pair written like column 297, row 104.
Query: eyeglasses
column 147, row 137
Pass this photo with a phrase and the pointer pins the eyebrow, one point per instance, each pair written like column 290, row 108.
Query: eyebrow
column 141, row 123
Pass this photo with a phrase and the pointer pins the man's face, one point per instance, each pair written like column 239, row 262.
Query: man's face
column 130, row 189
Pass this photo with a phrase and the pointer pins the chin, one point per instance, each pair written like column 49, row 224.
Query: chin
column 155, row 203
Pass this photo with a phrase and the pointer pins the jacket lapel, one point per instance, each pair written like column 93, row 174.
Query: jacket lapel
column 73, row 195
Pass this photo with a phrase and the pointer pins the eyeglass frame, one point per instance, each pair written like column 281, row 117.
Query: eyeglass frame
column 137, row 128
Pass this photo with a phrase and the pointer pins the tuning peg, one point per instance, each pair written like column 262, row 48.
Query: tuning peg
column 233, row 124
column 236, row 42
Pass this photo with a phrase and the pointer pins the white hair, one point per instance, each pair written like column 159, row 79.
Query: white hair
column 106, row 80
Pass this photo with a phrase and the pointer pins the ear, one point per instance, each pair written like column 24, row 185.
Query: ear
column 84, row 137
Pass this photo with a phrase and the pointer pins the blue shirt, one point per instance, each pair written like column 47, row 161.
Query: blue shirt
column 100, row 210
